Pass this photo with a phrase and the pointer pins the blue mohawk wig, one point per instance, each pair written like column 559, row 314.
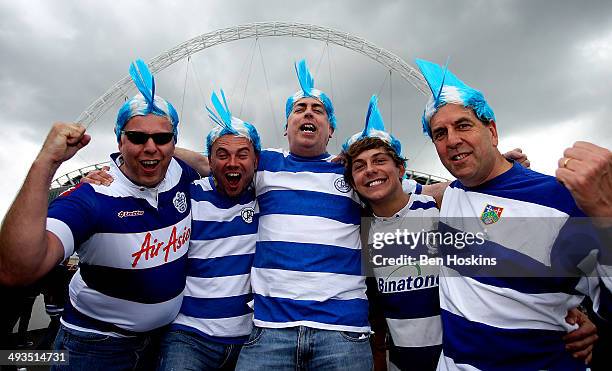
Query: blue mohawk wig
column 374, row 128
column 308, row 91
column 226, row 124
column 146, row 102
column 447, row 88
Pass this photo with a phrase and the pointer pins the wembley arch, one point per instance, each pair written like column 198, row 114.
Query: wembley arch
column 258, row 30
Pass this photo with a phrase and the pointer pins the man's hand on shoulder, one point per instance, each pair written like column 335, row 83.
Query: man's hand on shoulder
column 98, row 177
column 518, row 156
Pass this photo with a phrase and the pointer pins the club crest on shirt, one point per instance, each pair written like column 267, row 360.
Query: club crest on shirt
column 247, row 214
column 342, row 185
column 491, row 214
column 180, row 202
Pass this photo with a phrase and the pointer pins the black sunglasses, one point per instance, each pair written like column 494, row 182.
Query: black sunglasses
column 138, row 137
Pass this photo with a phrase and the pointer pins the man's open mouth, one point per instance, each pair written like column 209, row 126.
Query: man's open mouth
column 233, row 177
column 310, row 128
column 460, row 156
column 149, row 164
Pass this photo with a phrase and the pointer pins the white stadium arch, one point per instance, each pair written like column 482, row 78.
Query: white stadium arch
column 257, row 30
column 248, row 31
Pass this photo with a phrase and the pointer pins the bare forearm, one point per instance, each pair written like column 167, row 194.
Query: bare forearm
column 436, row 191
column 196, row 160
column 23, row 237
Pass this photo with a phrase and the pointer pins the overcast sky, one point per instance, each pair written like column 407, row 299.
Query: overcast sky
column 544, row 66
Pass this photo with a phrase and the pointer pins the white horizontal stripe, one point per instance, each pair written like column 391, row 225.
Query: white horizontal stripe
column 218, row 287
column 126, row 314
column 301, row 181
column 311, row 324
column 203, row 184
column 503, row 307
column 206, row 211
column 119, row 248
column 299, row 228
column 409, row 186
column 448, row 364
column 539, row 225
column 234, row 245
column 64, row 233
column 605, row 273
column 316, row 286
column 223, row 327
column 79, row 328
column 417, row 332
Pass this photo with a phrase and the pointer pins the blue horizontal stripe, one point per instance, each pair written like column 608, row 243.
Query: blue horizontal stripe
column 423, row 205
column 339, row 208
column 207, row 230
column 212, row 308
column 419, row 189
column 353, row 312
column 166, row 214
column 275, row 161
column 411, row 304
column 415, row 358
column 307, row 257
column 148, row 286
column 513, row 269
column 219, row 339
column 491, row 348
column 605, row 302
column 526, row 185
column 220, row 267
column 76, row 318
column 219, row 200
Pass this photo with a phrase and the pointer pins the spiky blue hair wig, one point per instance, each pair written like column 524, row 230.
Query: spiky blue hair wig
column 308, row 91
column 374, row 128
column 447, row 88
column 226, row 124
column 146, row 102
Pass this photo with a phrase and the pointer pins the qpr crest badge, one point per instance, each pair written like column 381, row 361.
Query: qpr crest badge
column 247, row 214
column 342, row 185
column 491, row 214
column 180, row 202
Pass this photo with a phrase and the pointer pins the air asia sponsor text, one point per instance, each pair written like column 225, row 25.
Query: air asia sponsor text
column 151, row 250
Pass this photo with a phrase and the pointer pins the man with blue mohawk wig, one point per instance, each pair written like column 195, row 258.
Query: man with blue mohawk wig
column 131, row 237
column 410, row 309
column 307, row 282
column 492, row 320
column 215, row 320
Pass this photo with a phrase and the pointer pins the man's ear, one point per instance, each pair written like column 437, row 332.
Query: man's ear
column 492, row 127
column 331, row 131
column 402, row 171
column 285, row 133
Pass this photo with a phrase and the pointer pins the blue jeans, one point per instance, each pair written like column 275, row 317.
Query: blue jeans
column 89, row 351
column 183, row 350
column 305, row 348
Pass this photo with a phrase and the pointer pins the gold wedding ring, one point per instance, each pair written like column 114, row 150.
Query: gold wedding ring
column 567, row 160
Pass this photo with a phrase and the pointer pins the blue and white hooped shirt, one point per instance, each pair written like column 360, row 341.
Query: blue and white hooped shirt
column 132, row 245
column 218, row 289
